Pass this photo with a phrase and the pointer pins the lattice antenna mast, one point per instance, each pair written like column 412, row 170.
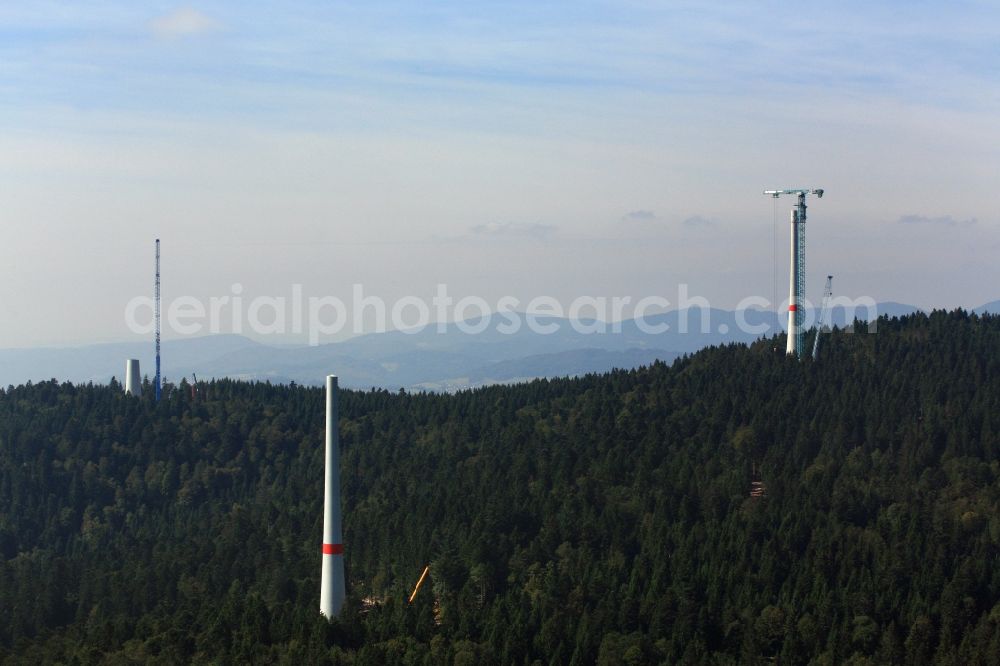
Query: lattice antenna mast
column 156, row 315
column 797, row 272
column 821, row 324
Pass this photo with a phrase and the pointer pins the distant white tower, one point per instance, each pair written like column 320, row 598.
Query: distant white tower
column 794, row 282
column 331, row 596
column 133, row 381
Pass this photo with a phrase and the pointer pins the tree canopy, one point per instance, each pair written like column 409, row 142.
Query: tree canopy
column 603, row 519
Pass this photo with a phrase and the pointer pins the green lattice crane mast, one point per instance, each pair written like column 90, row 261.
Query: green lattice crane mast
column 824, row 310
column 797, row 274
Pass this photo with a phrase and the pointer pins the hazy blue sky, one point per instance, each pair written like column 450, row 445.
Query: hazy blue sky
column 523, row 148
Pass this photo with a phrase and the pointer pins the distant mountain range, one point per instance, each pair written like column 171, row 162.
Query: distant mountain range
column 991, row 308
column 426, row 359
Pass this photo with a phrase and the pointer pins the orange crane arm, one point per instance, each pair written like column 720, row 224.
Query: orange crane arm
column 419, row 583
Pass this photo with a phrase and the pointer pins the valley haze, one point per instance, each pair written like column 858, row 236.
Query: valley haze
column 424, row 360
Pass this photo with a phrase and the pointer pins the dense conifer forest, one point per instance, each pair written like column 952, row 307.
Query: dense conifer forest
column 605, row 519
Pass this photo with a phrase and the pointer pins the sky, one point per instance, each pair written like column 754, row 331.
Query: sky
column 517, row 149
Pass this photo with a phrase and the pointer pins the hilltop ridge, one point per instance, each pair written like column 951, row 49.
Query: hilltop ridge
column 567, row 521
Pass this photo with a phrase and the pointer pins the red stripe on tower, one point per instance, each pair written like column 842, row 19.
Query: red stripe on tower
column 793, row 307
column 333, row 549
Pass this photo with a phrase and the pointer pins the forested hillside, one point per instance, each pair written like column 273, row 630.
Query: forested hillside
column 604, row 519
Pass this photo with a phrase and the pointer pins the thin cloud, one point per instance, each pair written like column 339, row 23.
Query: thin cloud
column 513, row 229
column 183, row 22
column 639, row 216
column 943, row 221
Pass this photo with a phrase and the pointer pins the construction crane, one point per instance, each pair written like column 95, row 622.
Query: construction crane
column 821, row 322
column 797, row 277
